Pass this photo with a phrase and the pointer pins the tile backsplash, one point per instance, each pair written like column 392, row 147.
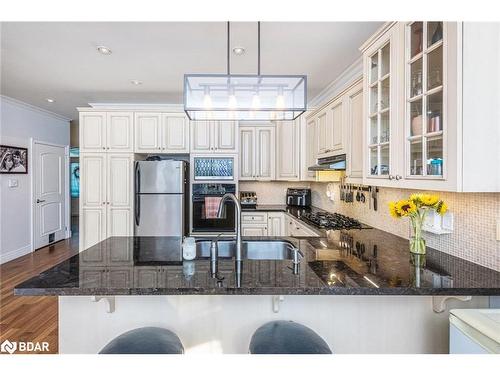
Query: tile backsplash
column 474, row 228
column 475, row 216
column 270, row 192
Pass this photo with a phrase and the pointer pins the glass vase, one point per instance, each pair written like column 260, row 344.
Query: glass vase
column 417, row 245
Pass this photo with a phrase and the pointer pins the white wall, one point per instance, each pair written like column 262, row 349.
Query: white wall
column 18, row 123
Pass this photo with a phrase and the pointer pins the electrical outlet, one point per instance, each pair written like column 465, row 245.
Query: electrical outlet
column 498, row 229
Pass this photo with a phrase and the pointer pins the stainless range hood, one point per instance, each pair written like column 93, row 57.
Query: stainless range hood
column 330, row 163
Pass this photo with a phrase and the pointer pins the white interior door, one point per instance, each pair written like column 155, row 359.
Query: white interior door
column 49, row 217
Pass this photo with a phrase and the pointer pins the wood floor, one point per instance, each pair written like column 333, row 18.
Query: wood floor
column 31, row 318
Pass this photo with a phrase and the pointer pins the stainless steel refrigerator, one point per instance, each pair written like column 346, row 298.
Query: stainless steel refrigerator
column 160, row 198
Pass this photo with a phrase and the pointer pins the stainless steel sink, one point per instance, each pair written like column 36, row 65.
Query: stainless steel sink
column 255, row 250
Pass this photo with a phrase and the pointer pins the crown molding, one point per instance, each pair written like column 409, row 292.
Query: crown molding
column 31, row 107
column 160, row 107
column 377, row 34
column 350, row 75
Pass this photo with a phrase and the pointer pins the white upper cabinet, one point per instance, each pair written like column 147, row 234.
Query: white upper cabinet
column 92, row 131
column 166, row 133
column 120, row 132
column 265, row 153
column 310, row 144
column 106, row 132
column 381, row 112
column 226, row 136
column 147, row 132
column 214, row 137
column 354, row 119
column 335, row 130
column 288, row 150
column 201, row 136
column 257, row 153
column 322, row 133
column 175, row 133
column 425, row 126
column 247, row 153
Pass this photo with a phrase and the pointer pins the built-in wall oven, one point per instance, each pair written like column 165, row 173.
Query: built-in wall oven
column 205, row 202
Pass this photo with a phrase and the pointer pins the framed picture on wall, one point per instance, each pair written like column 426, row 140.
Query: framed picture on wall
column 13, row 160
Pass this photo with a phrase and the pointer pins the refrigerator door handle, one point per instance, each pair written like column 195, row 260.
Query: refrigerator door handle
column 137, row 178
column 137, row 210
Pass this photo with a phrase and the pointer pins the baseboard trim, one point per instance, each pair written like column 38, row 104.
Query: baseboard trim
column 13, row 254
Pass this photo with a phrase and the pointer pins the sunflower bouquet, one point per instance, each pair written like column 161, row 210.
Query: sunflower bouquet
column 416, row 209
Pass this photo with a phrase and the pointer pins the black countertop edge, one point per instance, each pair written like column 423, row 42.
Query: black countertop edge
column 261, row 291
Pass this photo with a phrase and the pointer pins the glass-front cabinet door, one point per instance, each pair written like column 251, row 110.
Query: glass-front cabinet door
column 379, row 111
column 424, row 90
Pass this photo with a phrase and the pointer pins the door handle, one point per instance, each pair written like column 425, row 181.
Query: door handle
column 137, row 209
column 40, row 200
column 137, row 178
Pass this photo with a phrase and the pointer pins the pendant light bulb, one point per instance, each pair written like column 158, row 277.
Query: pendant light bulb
column 280, row 99
column 207, row 99
column 232, row 103
column 256, row 101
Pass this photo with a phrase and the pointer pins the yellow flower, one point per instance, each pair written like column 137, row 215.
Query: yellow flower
column 416, row 198
column 429, row 199
column 441, row 208
column 393, row 210
column 406, row 207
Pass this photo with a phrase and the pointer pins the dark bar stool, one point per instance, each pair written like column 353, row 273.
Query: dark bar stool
column 287, row 337
column 147, row 340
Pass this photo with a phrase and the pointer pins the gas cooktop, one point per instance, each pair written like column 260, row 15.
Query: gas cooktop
column 327, row 220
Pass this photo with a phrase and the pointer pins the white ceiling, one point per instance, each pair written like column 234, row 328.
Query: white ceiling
column 42, row 60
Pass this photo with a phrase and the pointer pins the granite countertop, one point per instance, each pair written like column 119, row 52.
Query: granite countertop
column 353, row 262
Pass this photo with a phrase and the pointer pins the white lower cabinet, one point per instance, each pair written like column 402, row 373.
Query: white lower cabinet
column 297, row 229
column 254, row 223
column 106, row 199
column 276, row 224
column 259, row 230
column 280, row 224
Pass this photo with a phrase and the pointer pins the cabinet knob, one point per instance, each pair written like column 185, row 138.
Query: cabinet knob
column 391, row 177
column 398, row 177
column 104, row 148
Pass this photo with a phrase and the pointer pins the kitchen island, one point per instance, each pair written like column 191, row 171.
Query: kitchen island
column 350, row 286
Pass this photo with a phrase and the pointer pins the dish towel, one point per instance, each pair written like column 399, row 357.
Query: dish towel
column 212, row 207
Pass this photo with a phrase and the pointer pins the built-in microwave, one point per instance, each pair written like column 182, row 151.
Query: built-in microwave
column 213, row 168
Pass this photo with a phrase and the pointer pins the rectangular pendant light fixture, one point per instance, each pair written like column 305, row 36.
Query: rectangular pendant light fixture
column 244, row 97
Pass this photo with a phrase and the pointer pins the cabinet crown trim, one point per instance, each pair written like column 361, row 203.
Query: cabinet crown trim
column 381, row 31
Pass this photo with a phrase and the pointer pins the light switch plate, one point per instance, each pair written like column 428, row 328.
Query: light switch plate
column 13, row 182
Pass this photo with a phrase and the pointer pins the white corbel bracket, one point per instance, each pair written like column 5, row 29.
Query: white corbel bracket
column 439, row 302
column 277, row 300
column 110, row 302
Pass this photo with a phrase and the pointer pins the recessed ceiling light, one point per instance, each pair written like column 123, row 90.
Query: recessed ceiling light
column 50, row 100
column 104, row 50
column 238, row 51
column 136, row 82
